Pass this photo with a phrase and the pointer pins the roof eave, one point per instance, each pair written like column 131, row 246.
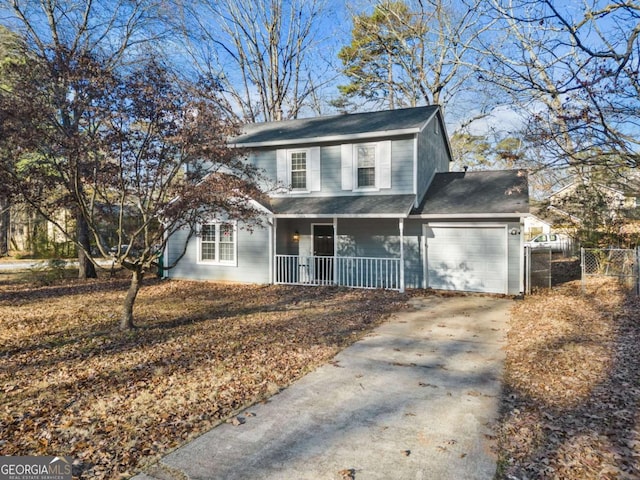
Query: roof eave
column 328, row 139
column 340, row 215
column 469, row 215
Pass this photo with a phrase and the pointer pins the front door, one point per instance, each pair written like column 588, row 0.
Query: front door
column 323, row 250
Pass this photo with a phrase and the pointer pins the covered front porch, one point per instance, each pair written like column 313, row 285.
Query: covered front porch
column 349, row 252
column 350, row 241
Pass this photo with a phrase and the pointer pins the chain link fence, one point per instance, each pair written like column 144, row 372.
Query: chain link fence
column 537, row 268
column 610, row 262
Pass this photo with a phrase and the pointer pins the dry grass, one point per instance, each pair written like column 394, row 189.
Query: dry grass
column 116, row 401
column 572, row 386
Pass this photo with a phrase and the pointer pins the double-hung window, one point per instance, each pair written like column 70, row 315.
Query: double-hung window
column 366, row 166
column 298, row 170
column 298, row 161
column 218, row 243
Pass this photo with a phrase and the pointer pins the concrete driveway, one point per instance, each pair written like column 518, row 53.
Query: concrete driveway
column 413, row 400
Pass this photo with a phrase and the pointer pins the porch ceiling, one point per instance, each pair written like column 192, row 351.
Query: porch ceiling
column 362, row 206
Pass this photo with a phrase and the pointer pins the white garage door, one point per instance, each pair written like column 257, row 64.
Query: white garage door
column 467, row 258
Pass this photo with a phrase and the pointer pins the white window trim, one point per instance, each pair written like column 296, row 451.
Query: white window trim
column 217, row 261
column 375, row 187
column 307, row 152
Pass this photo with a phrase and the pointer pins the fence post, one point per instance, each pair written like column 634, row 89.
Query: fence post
column 582, row 270
column 637, row 268
column 527, row 270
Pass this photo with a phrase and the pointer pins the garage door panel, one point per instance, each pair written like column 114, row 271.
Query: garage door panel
column 467, row 259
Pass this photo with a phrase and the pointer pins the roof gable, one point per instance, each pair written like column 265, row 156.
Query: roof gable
column 338, row 127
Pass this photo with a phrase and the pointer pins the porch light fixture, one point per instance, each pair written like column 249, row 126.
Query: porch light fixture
column 514, row 231
column 296, row 236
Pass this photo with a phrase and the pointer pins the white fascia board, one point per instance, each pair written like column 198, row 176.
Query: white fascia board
column 341, row 215
column 429, row 216
column 443, row 130
column 328, row 139
column 424, row 125
column 258, row 206
column 465, row 225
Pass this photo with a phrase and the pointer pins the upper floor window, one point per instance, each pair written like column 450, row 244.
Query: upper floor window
column 218, row 243
column 298, row 170
column 298, row 161
column 366, row 166
column 366, row 174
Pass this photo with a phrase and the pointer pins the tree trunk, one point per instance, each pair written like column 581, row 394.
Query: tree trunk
column 127, row 313
column 86, row 268
column 5, row 220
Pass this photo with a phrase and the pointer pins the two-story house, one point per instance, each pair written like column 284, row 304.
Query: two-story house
column 368, row 202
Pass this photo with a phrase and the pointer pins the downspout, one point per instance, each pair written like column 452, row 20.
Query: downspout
column 521, row 259
column 272, row 257
column 165, row 255
column 401, row 227
column 273, row 251
column 416, row 202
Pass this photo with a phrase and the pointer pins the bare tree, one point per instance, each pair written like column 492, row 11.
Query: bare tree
column 575, row 74
column 61, row 34
column 11, row 51
column 155, row 161
column 260, row 52
column 406, row 53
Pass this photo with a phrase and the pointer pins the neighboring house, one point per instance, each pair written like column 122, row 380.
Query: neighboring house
column 369, row 203
column 534, row 226
column 31, row 233
column 579, row 199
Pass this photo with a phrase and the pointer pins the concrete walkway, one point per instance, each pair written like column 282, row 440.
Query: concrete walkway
column 413, row 400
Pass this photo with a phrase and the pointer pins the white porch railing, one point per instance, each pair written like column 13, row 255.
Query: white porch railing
column 356, row 272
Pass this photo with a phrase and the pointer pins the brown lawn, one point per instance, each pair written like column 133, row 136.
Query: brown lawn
column 572, row 386
column 71, row 384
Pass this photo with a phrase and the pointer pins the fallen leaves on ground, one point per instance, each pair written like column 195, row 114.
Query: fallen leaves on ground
column 116, row 401
column 572, row 385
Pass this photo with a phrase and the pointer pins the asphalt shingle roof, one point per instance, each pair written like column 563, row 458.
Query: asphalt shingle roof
column 408, row 120
column 373, row 206
column 483, row 192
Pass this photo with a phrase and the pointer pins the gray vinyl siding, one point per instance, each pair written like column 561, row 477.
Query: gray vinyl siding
column 413, row 254
column 356, row 237
column 265, row 160
column 433, row 156
column 402, row 166
column 515, row 254
column 378, row 238
column 253, row 261
column 331, row 167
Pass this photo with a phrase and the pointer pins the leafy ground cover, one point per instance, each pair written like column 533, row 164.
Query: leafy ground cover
column 572, row 386
column 70, row 384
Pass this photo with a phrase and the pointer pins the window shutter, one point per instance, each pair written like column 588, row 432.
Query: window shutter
column 384, row 164
column 282, row 174
column 347, row 166
column 313, row 181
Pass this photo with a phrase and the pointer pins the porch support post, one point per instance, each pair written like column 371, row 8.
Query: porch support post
column 335, row 250
column 401, row 227
column 273, row 251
